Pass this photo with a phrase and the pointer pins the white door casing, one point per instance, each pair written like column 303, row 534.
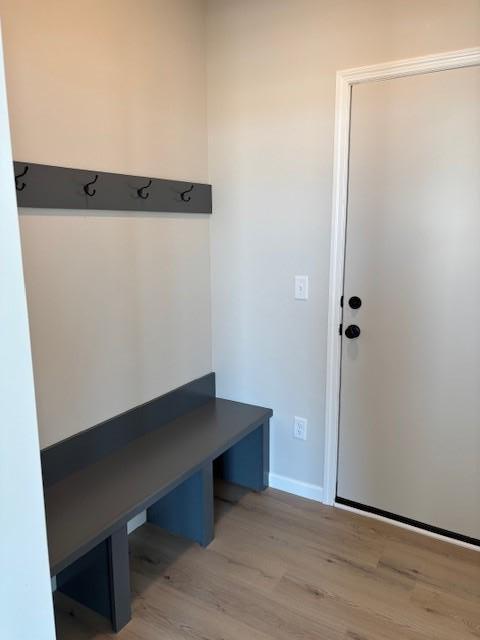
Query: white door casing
column 345, row 81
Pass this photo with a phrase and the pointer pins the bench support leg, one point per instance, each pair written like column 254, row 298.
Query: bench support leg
column 100, row 580
column 247, row 463
column 188, row 510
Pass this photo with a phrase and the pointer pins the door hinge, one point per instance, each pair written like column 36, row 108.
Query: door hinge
column 341, row 302
column 340, row 329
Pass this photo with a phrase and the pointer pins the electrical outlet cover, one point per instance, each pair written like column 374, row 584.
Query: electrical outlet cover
column 300, row 428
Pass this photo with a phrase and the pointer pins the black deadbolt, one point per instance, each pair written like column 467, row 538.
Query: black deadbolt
column 352, row 331
column 355, row 302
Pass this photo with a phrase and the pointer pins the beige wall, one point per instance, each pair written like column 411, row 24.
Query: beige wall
column 119, row 305
column 272, row 67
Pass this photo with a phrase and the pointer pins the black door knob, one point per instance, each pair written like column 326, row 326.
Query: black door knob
column 355, row 302
column 352, row 331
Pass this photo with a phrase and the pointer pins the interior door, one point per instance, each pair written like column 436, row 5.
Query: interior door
column 409, row 439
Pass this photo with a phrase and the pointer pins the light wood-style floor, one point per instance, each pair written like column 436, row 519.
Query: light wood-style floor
column 284, row 568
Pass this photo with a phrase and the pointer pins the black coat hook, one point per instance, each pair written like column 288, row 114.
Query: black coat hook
column 141, row 193
column 87, row 190
column 184, row 196
column 22, row 186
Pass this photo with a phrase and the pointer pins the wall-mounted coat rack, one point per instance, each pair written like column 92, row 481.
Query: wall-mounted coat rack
column 48, row 187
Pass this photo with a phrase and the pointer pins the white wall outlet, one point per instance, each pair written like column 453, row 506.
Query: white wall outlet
column 300, row 428
column 301, row 287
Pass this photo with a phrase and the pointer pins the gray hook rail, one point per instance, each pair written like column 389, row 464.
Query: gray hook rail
column 49, row 187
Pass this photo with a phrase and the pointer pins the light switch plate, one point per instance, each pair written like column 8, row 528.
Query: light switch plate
column 301, row 287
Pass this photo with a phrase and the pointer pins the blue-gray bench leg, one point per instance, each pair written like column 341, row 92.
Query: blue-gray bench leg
column 100, row 580
column 188, row 509
column 247, row 463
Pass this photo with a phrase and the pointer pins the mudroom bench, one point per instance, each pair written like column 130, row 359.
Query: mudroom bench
column 160, row 457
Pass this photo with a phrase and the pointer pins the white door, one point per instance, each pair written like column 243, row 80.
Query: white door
column 409, row 439
column 26, row 609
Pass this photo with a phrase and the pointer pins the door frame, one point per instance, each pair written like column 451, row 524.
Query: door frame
column 346, row 79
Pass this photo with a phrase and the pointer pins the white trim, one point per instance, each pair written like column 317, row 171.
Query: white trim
column 345, row 80
column 296, row 487
column 136, row 522
column 412, row 66
column 408, row 527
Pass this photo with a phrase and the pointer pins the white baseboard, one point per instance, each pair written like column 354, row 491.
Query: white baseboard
column 296, row 487
column 136, row 522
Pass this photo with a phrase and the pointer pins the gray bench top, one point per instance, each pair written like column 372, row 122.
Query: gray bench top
column 87, row 506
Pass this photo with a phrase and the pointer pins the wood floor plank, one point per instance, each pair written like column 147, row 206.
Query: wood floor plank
column 283, row 568
column 158, row 550
column 429, row 567
column 448, row 609
column 159, row 606
column 289, row 535
column 242, row 603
